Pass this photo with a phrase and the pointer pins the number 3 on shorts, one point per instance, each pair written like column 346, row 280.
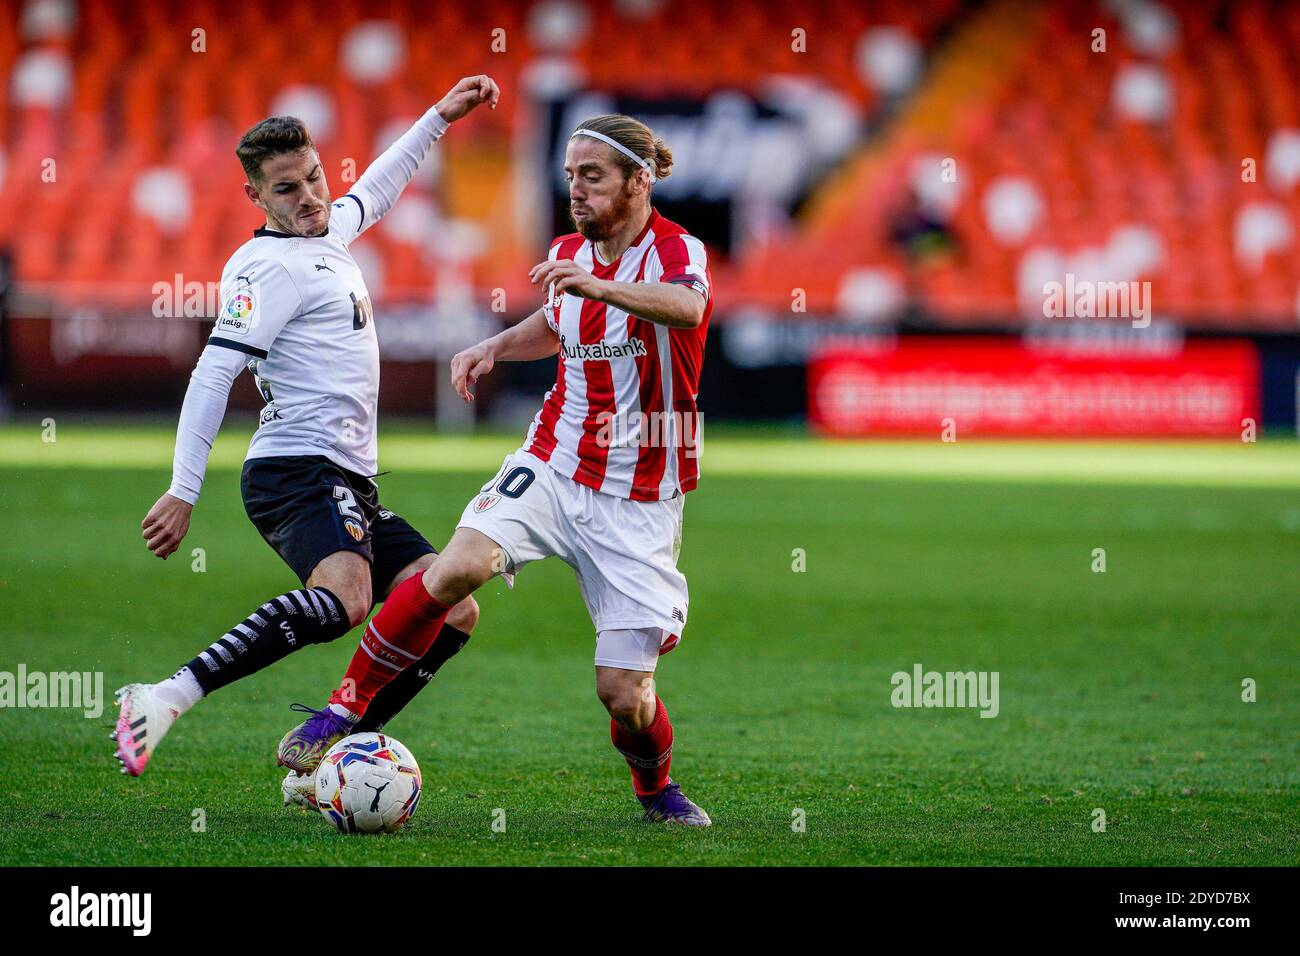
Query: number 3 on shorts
column 516, row 482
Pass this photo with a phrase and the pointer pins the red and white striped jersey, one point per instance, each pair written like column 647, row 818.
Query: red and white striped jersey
column 621, row 417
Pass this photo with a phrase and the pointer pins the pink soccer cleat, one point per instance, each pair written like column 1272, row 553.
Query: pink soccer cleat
column 141, row 723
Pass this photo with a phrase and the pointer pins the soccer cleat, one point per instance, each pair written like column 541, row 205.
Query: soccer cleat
column 302, row 748
column 299, row 789
column 142, row 722
column 670, row 805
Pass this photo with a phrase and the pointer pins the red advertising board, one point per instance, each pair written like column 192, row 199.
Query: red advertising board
column 997, row 386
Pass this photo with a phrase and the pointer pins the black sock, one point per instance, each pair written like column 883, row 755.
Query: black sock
column 276, row 629
column 401, row 690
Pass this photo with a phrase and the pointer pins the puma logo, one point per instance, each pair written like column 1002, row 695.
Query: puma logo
column 374, row 804
column 321, row 266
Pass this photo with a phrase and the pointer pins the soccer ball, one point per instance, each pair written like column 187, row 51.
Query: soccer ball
column 368, row 783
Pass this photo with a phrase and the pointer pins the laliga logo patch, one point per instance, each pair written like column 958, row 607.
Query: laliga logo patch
column 485, row 502
column 237, row 317
column 240, row 305
column 354, row 529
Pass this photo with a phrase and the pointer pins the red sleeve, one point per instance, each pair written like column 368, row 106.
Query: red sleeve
column 684, row 261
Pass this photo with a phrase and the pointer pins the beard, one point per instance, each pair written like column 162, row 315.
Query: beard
column 600, row 228
column 294, row 226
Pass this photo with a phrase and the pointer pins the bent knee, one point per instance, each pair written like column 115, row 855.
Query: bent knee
column 627, row 705
column 464, row 615
column 346, row 575
column 353, row 595
column 357, row 604
column 454, row 581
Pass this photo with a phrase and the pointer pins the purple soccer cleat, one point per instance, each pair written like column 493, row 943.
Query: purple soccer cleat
column 302, row 748
column 670, row 805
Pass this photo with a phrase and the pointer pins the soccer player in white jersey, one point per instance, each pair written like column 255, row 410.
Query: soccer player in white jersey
column 298, row 315
column 600, row 479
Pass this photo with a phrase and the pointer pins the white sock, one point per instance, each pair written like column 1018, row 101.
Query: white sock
column 344, row 712
column 181, row 690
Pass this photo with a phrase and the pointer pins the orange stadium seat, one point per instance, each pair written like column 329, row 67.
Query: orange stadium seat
column 140, row 97
column 1042, row 109
column 1050, row 117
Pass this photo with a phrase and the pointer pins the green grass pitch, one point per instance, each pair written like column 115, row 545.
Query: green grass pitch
column 1119, row 690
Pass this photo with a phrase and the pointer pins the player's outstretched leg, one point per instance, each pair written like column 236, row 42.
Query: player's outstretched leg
column 303, row 748
column 402, row 689
column 641, row 732
column 277, row 628
column 399, row 636
column 299, row 789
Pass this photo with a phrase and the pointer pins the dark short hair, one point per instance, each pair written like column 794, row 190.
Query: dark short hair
column 271, row 137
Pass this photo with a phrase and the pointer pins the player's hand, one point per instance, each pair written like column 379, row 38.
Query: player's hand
column 469, row 366
column 467, row 94
column 166, row 524
column 568, row 276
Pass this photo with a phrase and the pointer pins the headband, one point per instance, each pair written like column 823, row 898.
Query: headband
column 640, row 161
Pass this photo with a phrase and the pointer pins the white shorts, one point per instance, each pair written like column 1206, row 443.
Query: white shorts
column 624, row 551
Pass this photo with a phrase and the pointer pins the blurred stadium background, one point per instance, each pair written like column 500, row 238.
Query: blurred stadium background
column 886, row 190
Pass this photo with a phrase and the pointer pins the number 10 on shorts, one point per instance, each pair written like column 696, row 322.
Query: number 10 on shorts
column 511, row 485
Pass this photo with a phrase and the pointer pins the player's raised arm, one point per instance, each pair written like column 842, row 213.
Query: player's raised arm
column 533, row 338
column 381, row 185
column 470, row 92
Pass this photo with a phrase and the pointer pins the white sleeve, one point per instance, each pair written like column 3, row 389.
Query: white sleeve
column 201, row 415
column 382, row 183
column 258, row 304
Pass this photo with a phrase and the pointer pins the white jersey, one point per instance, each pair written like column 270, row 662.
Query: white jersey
column 299, row 309
column 295, row 310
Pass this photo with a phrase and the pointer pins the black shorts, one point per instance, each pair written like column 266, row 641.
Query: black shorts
column 307, row 507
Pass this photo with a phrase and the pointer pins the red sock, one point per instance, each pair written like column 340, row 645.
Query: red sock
column 648, row 753
column 398, row 636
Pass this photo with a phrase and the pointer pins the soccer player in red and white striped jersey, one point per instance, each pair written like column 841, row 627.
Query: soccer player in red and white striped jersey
column 601, row 477
column 619, row 371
